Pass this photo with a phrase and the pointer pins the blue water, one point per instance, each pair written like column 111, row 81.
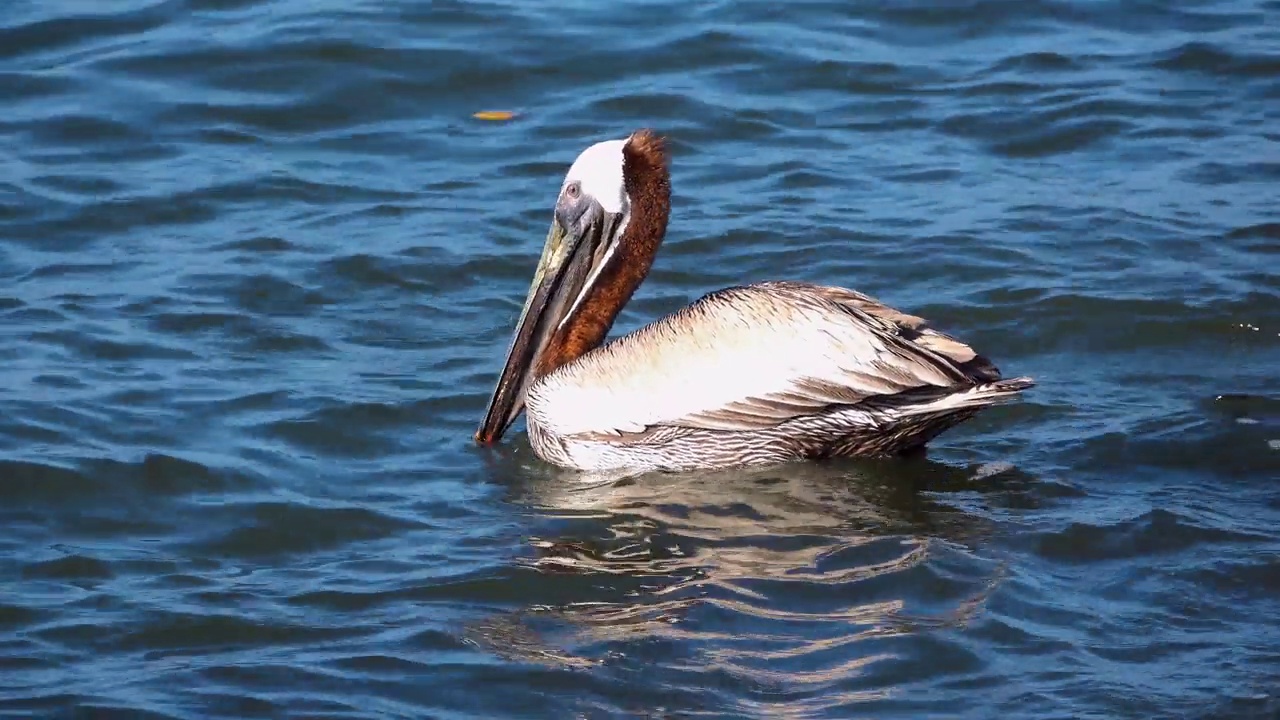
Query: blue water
column 259, row 265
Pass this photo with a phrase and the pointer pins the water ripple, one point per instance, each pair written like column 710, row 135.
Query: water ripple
column 259, row 262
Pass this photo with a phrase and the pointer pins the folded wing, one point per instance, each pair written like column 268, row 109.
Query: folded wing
column 752, row 357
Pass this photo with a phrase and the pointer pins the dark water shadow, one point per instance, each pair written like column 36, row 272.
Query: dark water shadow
column 759, row 568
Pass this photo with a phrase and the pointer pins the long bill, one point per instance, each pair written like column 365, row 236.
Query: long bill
column 566, row 262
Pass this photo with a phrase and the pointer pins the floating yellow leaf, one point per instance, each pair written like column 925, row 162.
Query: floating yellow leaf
column 494, row 115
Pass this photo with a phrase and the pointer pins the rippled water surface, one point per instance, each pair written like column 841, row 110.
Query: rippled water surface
column 259, row 265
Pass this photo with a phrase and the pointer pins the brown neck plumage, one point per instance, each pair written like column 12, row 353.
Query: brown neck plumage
column 648, row 185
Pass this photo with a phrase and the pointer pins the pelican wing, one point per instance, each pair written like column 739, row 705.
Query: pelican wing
column 909, row 327
column 752, row 357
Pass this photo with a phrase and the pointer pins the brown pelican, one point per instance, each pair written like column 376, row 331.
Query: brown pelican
column 749, row 375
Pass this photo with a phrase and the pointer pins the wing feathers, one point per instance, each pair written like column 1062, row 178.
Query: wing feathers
column 753, row 357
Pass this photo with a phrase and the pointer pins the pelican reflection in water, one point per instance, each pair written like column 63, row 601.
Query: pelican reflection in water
column 749, row 375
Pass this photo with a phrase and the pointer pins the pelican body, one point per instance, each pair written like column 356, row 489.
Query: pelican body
column 749, row 375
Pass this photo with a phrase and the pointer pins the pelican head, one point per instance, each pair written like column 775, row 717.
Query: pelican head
column 595, row 255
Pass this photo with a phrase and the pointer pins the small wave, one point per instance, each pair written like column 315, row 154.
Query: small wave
column 1154, row 533
column 286, row 528
column 1211, row 59
column 42, row 37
